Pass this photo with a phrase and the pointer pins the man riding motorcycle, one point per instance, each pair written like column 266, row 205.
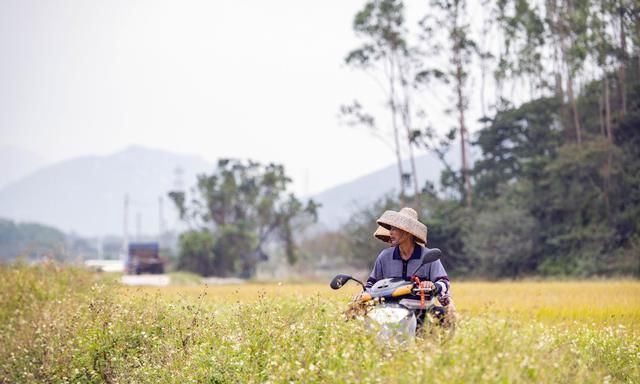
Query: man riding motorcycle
column 408, row 237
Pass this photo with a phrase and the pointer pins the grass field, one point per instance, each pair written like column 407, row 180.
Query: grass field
column 66, row 325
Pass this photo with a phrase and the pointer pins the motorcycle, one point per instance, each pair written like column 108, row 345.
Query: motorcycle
column 394, row 307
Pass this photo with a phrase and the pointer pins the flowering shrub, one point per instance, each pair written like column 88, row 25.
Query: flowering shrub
column 63, row 325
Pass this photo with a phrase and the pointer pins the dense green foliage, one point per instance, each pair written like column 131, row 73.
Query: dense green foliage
column 572, row 207
column 541, row 205
column 234, row 213
column 555, row 186
column 31, row 241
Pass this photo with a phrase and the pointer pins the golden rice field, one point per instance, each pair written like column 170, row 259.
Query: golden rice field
column 66, row 325
column 601, row 301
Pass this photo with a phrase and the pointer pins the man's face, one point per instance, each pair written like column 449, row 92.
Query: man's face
column 398, row 236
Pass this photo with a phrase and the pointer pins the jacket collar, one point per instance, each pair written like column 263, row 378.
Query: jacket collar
column 417, row 252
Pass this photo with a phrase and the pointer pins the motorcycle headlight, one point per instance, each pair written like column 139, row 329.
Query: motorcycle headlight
column 385, row 315
column 392, row 323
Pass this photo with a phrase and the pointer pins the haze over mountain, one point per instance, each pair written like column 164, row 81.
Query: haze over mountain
column 338, row 203
column 85, row 195
column 17, row 163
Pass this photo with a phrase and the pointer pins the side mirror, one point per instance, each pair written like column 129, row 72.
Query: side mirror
column 339, row 281
column 430, row 256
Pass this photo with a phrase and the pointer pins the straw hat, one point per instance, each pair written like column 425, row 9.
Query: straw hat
column 382, row 234
column 406, row 220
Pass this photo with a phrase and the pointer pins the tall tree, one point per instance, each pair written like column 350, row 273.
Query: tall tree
column 461, row 49
column 523, row 43
column 515, row 146
column 244, row 205
column 385, row 51
column 567, row 25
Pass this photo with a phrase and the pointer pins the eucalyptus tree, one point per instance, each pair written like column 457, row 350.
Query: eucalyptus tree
column 567, row 20
column 626, row 14
column 634, row 16
column 385, row 52
column 459, row 52
column 537, row 35
column 602, row 53
column 523, row 43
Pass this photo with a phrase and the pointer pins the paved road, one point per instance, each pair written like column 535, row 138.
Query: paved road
column 152, row 280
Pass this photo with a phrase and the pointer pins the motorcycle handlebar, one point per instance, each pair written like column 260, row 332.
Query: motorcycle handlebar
column 411, row 288
column 435, row 290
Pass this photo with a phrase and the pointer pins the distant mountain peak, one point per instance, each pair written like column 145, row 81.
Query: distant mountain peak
column 341, row 201
column 17, row 164
column 86, row 194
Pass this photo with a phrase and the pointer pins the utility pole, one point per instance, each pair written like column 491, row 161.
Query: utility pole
column 138, row 226
column 178, row 186
column 161, row 223
column 125, row 230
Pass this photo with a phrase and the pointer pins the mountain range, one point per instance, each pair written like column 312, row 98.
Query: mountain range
column 339, row 202
column 17, row 163
column 86, row 195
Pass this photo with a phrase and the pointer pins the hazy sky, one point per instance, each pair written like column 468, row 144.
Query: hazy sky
column 248, row 79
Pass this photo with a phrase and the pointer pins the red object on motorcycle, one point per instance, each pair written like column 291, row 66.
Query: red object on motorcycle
column 423, row 286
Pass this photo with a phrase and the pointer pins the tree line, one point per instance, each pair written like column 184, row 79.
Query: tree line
column 236, row 216
column 555, row 189
column 31, row 241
